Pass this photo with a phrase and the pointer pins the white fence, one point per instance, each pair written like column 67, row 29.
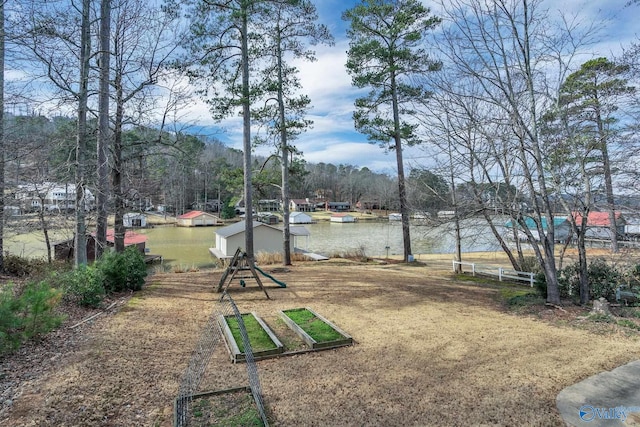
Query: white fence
column 499, row 272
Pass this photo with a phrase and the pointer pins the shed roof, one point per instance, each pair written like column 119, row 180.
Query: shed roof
column 531, row 224
column 596, row 219
column 130, row 237
column 238, row 227
column 299, row 230
column 301, row 201
column 194, row 214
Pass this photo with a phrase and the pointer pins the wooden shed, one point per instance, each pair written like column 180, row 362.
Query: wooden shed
column 197, row 219
column 64, row 250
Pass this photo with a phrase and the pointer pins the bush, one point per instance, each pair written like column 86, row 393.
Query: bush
column 10, row 321
column 28, row 315
column 23, row 267
column 540, row 283
column 123, row 271
column 603, row 280
column 82, row 286
column 531, row 264
column 39, row 301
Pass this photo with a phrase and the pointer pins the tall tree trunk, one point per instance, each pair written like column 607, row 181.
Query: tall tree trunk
column 116, row 172
column 286, row 231
column 246, row 120
column 2, row 156
column 608, row 184
column 80, row 245
column 103, row 128
column 402, row 189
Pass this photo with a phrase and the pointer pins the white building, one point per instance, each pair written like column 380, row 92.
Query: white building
column 300, row 218
column 56, row 196
column 134, row 219
column 266, row 238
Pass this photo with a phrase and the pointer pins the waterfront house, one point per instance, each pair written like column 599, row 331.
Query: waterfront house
column 301, row 205
column 338, row 206
column 197, row 219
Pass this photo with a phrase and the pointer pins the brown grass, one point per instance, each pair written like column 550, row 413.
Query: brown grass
column 430, row 350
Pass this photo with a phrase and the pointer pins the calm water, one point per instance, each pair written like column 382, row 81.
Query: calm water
column 190, row 246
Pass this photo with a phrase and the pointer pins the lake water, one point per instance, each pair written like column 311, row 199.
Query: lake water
column 190, row 246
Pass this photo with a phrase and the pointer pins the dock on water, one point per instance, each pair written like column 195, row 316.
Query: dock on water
column 313, row 256
column 151, row 259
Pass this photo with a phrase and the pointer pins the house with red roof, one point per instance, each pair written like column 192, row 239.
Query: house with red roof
column 599, row 224
column 197, row 219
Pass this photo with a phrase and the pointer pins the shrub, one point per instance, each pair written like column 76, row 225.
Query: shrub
column 530, row 264
column 23, row 267
column 39, row 301
column 82, row 286
column 540, row 283
column 28, row 315
column 603, row 280
column 10, row 320
column 123, row 271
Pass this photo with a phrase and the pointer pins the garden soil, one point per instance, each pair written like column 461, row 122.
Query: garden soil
column 430, row 350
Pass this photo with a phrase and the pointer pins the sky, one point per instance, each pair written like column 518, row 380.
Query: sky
column 333, row 138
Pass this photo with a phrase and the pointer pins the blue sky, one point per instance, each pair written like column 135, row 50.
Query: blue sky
column 333, row 138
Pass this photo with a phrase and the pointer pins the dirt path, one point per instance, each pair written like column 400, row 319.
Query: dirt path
column 429, row 351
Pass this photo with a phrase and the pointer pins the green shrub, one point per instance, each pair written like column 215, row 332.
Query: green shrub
column 530, row 264
column 22, row 267
column 10, row 321
column 123, row 271
column 28, row 315
column 39, row 301
column 82, row 286
column 603, row 280
column 540, row 283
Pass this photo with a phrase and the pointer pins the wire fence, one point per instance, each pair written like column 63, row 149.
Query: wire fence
column 210, row 339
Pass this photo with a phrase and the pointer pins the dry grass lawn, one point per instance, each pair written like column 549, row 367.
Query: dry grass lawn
column 430, row 350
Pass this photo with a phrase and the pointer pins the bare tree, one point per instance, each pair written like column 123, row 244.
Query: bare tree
column 144, row 38
column 2, row 156
column 505, row 49
column 104, row 133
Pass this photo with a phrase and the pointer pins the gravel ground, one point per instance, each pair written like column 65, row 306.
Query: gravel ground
column 429, row 350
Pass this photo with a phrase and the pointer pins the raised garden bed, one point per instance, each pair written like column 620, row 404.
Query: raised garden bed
column 315, row 330
column 263, row 341
column 233, row 407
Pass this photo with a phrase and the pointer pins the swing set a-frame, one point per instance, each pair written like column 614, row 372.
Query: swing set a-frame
column 241, row 264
